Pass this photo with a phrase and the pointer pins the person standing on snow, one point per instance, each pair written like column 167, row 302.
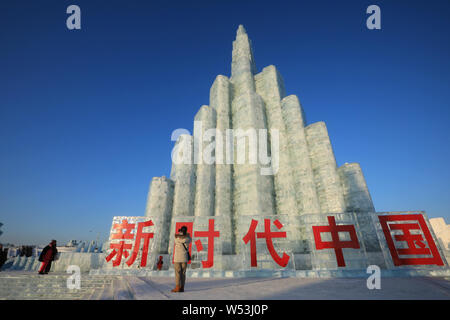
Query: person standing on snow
column 47, row 256
column 181, row 258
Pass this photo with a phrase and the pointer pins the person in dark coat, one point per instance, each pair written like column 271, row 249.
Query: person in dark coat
column 47, row 256
column 3, row 256
column 22, row 251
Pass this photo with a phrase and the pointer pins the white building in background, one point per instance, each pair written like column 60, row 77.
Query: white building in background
column 442, row 231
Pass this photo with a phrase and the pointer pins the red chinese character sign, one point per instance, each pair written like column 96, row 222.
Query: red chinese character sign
column 206, row 240
column 268, row 235
column 264, row 242
column 407, row 240
column 332, row 241
column 210, row 234
column 335, row 241
column 121, row 247
column 130, row 238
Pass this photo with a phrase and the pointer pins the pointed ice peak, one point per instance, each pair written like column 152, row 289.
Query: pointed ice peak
column 242, row 56
column 241, row 30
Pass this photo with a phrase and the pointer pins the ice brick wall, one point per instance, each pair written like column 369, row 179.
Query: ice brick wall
column 159, row 205
column 183, row 175
column 323, row 163
column 203, row 158
column 303, row 177
column 270, row 86
column 358, row 200
column 442, row 231
column 356, row 193
column 220, row 99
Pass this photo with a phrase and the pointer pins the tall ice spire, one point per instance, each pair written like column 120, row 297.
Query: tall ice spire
column 242, row 53
column 252, row 191
column 243, row 65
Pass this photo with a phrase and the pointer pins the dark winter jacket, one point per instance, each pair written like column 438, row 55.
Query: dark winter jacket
column 44, row 252
column 3, row 256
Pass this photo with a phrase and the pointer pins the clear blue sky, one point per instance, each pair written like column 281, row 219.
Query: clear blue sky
column 86, row 116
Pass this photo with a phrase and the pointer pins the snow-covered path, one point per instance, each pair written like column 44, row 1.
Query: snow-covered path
column 293, row 288
column 28, row 285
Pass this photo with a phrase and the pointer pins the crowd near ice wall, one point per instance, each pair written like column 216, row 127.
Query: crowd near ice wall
column 306, row 180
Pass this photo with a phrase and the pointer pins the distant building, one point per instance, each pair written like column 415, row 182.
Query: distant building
column 73, row 243
column 442, row 231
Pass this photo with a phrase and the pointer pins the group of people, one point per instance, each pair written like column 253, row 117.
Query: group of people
column 181, row 257
column 23, row 251
column 26, row 251
column 48, row 254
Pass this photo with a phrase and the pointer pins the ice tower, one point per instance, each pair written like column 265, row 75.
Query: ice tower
column 307, row 181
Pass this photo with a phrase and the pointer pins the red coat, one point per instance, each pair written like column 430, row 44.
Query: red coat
column 48, row 254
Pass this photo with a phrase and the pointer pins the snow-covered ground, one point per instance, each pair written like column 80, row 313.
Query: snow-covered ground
column 29, row 285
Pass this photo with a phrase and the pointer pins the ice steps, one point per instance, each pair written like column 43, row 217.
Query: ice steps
column 54, row 286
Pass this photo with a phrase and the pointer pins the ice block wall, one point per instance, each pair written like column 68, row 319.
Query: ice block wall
column 270, row 86
column 204, row 161
column 220, row 99
column 305, row 190
column 183, row 175
column 356, row 193
column 159, row 205
column 326, row 178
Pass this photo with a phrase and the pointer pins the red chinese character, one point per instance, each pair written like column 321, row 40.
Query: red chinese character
column 137, row 244
column 123, row 233
column 210, row 234
column 120, row 249
column 415, row 242
column 335, row 242
column 250, row 236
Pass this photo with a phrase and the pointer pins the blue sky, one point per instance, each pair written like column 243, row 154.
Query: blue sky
column 86, row 115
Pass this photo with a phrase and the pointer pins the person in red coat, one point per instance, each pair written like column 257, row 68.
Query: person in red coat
column 160, row 263
column 47, row 256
